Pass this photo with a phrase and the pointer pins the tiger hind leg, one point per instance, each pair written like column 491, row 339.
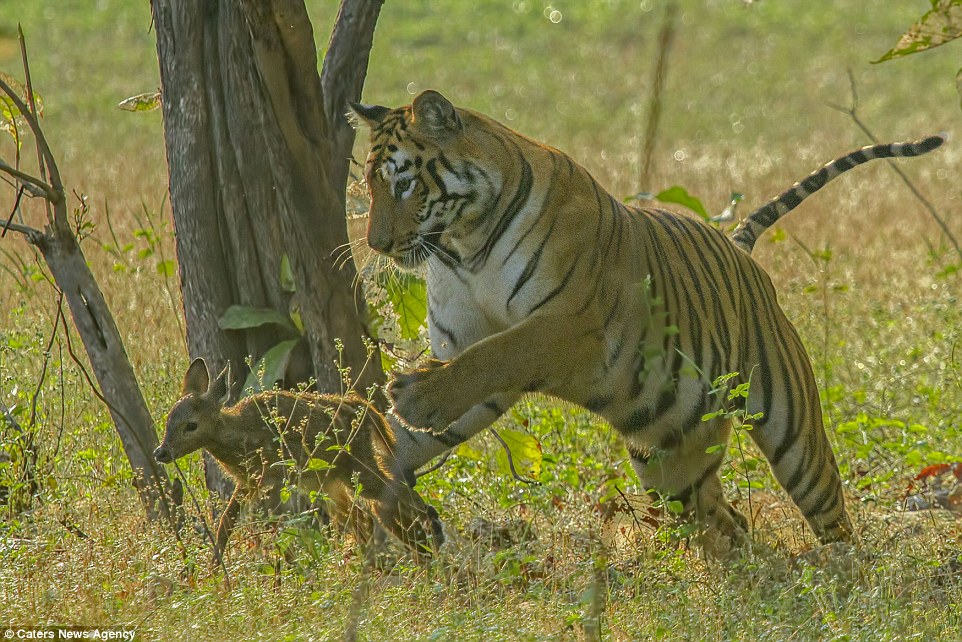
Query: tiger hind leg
column 688, row 475
column 802, row 460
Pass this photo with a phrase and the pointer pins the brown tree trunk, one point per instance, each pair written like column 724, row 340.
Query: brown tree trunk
column 258, row 164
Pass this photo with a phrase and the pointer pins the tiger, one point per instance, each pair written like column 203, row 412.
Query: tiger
column 539, row 280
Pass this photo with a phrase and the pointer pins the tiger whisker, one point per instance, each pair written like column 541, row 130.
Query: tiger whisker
column 437, row 249
column 347, row 251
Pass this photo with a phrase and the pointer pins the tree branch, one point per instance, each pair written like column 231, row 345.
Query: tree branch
column 33, row 109
column 852, row 111
column 33, row 236
column 56, row 184
column 118, row 388
column 342, row 77
column 31, row 183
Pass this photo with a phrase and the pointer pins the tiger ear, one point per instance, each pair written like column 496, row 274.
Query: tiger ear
column 369, row 115
column 435, row 115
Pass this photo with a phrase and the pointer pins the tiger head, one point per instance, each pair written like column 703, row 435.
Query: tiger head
column 427, row 178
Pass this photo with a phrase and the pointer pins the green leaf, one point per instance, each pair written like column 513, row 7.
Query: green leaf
column 141, row 102
column 942, row 24
column 317, row 464
column 166, row 268
column 949, row 270
column 388, row 362
column 296, row 318
column 287, row 277
column 273, row 365
column 468, row 452
column 525, row 453
column 678, row 194
column 723, row 379
column 674, row 506
column 409, row 298
column 242, row 317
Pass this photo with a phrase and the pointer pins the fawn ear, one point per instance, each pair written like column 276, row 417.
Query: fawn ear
column 197, row 378
column 219, row 390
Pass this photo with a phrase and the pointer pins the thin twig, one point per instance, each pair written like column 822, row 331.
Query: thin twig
column 8, row 416
column 46, row 361
column 441, row 462
column 63, row 401
column 13, row 210
column 852, row 111
column 18, row 262
column 163, row 258
column 31, row 99
column 507, row 451
column 118, row 413
column 631, row 509
column 665, row 38
column 72, row 528
column 218, row 557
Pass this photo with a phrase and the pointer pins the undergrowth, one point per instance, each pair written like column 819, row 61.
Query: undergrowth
column 581, row 551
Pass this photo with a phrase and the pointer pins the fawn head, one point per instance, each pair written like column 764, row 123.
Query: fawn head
column 195, row 417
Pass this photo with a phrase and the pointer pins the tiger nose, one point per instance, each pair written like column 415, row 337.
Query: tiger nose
column 380, row 245
column 379, row 242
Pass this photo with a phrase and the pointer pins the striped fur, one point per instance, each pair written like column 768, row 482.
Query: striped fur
column 539, row 280
column 748, row 231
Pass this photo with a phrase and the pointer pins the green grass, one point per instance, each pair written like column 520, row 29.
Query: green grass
column 745, row 103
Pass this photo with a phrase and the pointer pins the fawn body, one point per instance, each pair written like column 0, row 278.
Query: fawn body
column 323, row 443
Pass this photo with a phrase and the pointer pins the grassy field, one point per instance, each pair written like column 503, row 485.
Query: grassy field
column 861, row 270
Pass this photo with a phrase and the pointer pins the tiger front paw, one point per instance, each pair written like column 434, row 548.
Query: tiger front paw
column 424, row 398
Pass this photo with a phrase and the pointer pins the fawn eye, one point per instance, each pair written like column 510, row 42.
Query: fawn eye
column 190, row 426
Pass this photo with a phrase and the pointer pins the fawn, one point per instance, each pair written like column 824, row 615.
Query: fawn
column 325, row 443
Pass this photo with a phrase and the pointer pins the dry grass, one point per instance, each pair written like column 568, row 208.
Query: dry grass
column 745, row 104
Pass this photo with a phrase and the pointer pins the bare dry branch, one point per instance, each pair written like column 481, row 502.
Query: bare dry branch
column 55, row 182
column 33, row 109
column 116, row 383
column 33, row 236
column 46, row 361
column 13, row 210
column 32, row 184
column 665, row 38
column 852, row 111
